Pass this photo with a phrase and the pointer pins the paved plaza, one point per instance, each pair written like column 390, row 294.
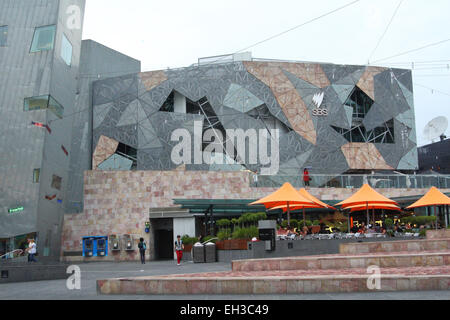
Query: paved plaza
column 90, row 272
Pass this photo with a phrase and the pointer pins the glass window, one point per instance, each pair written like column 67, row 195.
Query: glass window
column 3, row 36
column 57, row 108
column 66, row 50
column 360, row 102
column 43, row 102
column 36, row 174
column 36, row 103
column 43, row 39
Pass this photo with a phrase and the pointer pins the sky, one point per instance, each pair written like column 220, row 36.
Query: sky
column 175, row 33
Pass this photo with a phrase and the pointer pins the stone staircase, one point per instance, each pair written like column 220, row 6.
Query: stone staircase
column 402, row 265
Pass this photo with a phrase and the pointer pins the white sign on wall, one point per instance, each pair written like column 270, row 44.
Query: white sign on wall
column 317, row 101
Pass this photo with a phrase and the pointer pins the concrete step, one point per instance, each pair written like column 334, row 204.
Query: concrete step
column 395, row 246
column 282, row 282
column 340, row 261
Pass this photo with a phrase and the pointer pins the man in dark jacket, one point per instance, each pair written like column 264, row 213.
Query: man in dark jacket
column 142, row 247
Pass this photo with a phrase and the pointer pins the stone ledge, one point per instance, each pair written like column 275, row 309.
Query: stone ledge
column 270, row 285
column 395, row 246
column 404, row 259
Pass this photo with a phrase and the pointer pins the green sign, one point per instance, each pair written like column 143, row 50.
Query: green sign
column 14, row 210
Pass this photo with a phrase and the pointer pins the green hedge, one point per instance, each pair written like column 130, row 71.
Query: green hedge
column 223, row 223
column 188, row 240
column 307, row 222
column 420, row 220
column 224, row 235
column 245, row 233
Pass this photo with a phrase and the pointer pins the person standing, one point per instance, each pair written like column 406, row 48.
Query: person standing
column 142, row 247
column 179, row 247
column 31, row 250
column 306, row 177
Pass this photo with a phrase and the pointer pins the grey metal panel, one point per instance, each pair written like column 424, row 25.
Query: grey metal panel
column 97, row 62
column 56, row 161
column 214, row 83
column 22, row 74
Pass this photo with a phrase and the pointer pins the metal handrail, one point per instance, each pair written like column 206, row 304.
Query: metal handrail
column 377, row 180
column 210, row 240
column 11, row 253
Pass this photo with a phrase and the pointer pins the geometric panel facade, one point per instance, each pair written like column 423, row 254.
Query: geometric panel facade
column 331, row 118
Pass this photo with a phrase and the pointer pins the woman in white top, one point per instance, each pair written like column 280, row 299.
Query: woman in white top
column 31, row 250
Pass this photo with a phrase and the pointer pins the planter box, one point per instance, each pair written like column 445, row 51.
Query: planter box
column 235, row 244
column 187, row 248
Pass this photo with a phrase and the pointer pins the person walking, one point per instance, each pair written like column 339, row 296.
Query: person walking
column 142, row 247
column 31, row 250
column 306, row 177
column 179, row 247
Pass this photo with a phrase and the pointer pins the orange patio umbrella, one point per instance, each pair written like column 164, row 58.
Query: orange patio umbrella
column 316, row 204
column 287, row 196
column 432, row 198
column 364, row 197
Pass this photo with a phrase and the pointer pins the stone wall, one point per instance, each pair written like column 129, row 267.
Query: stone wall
column 118, row 202
column 438, row 234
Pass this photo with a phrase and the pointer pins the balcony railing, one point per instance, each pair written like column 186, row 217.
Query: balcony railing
column 354, row 181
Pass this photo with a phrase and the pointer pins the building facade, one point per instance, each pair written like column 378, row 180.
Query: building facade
column 332, row 119
column 44, row 109
column 77, row 117
column 435, row 157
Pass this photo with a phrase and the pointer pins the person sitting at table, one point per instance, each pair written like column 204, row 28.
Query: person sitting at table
column 362, row 228
column 398, row 228
column 304, row 231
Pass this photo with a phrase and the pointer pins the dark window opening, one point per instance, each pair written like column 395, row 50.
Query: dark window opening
column 270, row 122
column 129, row 153
column 168, row 105
column 360, row 102
column 382, row 134
column 201, row 107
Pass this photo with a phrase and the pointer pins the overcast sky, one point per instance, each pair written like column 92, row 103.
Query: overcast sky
column 175, row 33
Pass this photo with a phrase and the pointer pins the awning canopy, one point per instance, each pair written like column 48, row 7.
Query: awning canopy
column 220, row 207
column 366, row 195
column 433, row 197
